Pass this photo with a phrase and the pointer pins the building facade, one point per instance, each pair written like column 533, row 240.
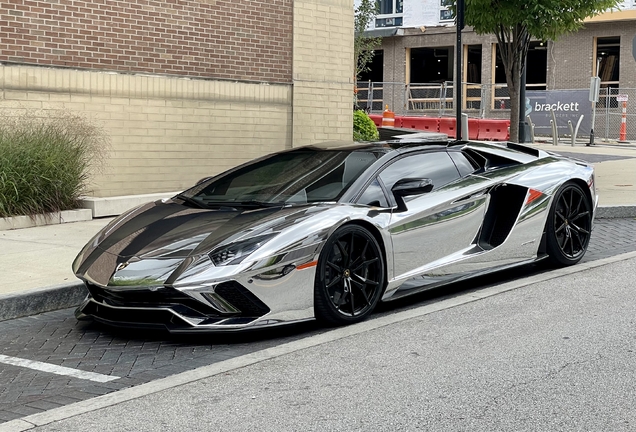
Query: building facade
column 183, row 88
column 414, row 68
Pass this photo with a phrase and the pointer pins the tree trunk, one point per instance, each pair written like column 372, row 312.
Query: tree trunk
column 513, row 80
column 513, row 45
column 513, row 91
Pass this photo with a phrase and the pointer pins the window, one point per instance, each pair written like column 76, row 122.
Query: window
column 431, row 65
column 446, row 14
column 390, row 13
column 373, row 195
column 298, row 176
column 536, row 73
column 463, row 164
column 607, row 60
column 437, row 166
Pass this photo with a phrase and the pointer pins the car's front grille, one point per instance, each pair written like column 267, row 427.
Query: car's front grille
column 234, row 293
column 158, row 297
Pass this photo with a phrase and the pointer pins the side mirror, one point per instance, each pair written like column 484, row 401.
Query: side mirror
column 412, row 186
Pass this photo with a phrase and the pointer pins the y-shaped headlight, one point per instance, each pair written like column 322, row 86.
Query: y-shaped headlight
column 235, row 253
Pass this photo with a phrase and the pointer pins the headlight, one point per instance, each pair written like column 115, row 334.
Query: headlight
column 235, row 253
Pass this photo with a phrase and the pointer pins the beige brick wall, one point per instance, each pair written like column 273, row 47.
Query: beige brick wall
column 322, row 71
column 165, row 133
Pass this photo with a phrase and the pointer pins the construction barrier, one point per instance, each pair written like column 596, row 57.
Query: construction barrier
column 429, row 124
column 473, row 128
column 377, row 119
column 478, row 129
column 493, row 130
column 447, row 126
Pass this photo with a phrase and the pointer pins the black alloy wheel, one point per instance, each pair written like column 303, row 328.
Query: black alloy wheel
column 569, row 225
column 349, row 276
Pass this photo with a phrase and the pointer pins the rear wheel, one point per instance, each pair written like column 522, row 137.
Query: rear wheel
column 569, row 225
column 349, row 276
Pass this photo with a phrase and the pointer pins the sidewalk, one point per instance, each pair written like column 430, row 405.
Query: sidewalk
column 36, row 262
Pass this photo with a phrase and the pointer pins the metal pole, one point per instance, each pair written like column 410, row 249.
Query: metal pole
column 524, row 135
column 608, row 101
column 459, row 22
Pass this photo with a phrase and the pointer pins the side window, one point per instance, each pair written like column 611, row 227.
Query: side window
column 463, row 164
column 373, row 196
column 437, row 166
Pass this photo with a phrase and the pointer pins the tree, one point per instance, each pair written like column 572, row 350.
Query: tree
column 515, row 22
column 363, row 46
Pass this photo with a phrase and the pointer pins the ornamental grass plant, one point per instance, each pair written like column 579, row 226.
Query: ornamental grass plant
column 46, row 161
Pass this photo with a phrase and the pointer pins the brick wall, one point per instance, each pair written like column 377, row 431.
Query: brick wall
column 165, row 132
column 323, row 71
column 570, row 60
column 232, row 39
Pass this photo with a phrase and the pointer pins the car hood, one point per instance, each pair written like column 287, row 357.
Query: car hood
column 164, row 233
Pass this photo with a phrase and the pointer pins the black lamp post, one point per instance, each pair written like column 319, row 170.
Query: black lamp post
column 459, row 22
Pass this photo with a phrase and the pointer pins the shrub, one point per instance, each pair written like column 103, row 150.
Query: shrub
column 45, row 161
column 363, row 127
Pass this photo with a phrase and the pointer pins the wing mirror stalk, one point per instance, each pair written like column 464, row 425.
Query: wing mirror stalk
column 409, row 187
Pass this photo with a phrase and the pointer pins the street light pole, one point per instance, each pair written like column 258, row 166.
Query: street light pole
column 459, row 22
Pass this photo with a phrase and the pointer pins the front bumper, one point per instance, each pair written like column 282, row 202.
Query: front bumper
column 273, row 298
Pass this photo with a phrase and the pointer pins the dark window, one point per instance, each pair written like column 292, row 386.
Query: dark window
column 608, row 50
column 437, row 166
column 463, row 164
column 374, row 196
column 299, row 176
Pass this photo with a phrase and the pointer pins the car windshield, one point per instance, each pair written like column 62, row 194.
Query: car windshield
column 295, row 177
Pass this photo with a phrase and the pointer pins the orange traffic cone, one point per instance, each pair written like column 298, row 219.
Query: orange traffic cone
column 388, row 117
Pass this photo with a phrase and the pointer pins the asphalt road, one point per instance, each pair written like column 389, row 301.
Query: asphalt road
column 556, row 355
column 426, row 370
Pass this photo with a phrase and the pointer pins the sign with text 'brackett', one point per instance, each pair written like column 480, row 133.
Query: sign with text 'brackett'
column 566, row 105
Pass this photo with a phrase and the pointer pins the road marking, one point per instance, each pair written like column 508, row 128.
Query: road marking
column 55, row 369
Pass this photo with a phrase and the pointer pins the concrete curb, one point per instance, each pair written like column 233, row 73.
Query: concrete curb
column 65, row 216
column 46, row 299
column 40, row 300
column 616, row 212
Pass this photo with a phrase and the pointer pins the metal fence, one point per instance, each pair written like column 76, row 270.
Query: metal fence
column 486, row 101
column 609, row 113
column 374, row 96
column 432, row 98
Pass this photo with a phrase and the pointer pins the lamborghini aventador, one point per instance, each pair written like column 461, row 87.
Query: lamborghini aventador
column 328, row 231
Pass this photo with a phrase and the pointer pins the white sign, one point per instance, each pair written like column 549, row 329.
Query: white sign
column 622, row 97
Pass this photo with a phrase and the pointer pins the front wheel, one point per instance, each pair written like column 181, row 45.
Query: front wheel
column 569, row 225
column 349, row 276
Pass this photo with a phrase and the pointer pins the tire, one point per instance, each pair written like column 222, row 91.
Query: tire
column 569, row 225
column 349, row 277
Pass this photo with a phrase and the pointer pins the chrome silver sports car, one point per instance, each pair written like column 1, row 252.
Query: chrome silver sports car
column 328, row 231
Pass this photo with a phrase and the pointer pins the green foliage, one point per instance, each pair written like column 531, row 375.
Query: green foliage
column 363, row 127
column 363, row 46
column 542, row 19
column 45, row 161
